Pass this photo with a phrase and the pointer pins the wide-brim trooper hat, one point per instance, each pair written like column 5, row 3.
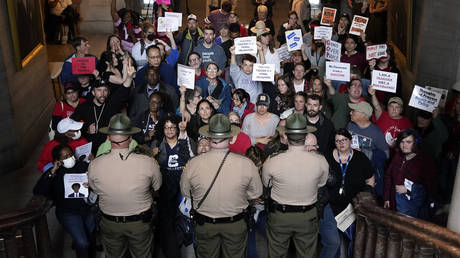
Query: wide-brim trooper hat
column 119, row 124
column 219, row 127
column 296, row 124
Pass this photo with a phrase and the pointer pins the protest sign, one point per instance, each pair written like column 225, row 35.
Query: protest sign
column 186, row 76
column 358, row 25
column 263, row 72
column 345, row 218
column 424, row 99
column 328, row 16
column 177, row 16
column 83, row 65
column 84, row 150
column 163, row 1
column 384, row 81
column 376, row 51
column 443, row 92
column 283, row 52
column 246, row 45
column 293, row 39
column 333, row 50
column 167, row 24
column 338, row 71
column 323, row 32
column 74, row 185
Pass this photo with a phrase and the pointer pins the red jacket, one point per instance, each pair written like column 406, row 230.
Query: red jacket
column 46, row 157
column 248, row 110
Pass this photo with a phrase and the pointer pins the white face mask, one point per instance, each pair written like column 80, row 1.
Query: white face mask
column 69, row 162
column 77, row 135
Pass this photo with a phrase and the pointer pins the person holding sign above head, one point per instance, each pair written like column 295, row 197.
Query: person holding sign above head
column 210, row 51
column 386, row 64
column 82, row 47
column 390, row 121
column 215, row 89
column 74, row 214
column 242, row 77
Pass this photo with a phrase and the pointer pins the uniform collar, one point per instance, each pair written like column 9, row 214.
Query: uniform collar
column 296, row 148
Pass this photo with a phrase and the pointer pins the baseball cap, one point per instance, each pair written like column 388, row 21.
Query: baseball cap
column 362, row 107
column 263, row 99
column 191, row 17
column 397, row 100
column 234, row 27
column 68, row 124
column 70, row 86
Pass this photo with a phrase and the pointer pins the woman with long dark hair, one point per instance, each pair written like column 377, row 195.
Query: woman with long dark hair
column 204, row 111
column 284, row 95
column 215, row 89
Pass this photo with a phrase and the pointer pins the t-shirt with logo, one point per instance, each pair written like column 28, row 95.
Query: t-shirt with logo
column 391, row 127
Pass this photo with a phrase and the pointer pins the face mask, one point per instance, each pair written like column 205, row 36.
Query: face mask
column 77, row 135
column 150, row 37
column 69, row 162
column 235, row 124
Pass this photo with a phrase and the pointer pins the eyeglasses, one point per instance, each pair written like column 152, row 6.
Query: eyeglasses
column 194, row 59
column 342, row 140
column 170, row 128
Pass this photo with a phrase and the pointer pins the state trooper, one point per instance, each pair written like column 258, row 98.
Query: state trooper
column 220, row 184
column 294, row 177
column 124, row 181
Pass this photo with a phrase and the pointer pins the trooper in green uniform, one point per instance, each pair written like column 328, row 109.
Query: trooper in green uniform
column 294, row 177
column 220, row 184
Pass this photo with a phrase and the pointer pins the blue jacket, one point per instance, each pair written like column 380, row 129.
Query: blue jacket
column 225, row 95
column 66, row 73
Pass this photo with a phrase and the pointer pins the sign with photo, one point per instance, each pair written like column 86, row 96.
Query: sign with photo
column 76, row 185
column 358, row 25
column 328, row 16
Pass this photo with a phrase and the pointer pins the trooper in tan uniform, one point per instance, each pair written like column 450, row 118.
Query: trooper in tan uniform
column 124, row 182
column 221, row 229
column 294, row 177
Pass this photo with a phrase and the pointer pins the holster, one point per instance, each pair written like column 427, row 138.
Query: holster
column 249, row 218
column 196, row 220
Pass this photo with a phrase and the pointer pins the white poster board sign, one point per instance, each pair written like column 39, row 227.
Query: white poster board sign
column 167, row 24
column 283, row 52
column 424, row 99
column 443, row 92
column 384, row 81
column 376, row 51
column 246, row 45
column 358, row 25
column 186, row 76
column 333, row 50
column 293, row 39
column 263, row 72
column 74, row 185
column 83, row 150
column 323, row 32
column 338, row 71
column 345, row 218
column 177, row 16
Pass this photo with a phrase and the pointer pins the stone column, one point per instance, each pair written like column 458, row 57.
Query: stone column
column 453, row 222
column 96, row 16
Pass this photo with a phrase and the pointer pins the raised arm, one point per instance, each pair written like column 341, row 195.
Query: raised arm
column 232, row 52
column 113, row 10
column 375, row 103
column 330, row 88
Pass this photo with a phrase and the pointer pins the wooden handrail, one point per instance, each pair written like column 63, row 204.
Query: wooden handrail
column 371, row 218
column 24, row 232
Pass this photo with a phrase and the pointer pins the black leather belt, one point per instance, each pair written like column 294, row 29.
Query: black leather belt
column 237, row 217
column 125, row 219
column 292, row 208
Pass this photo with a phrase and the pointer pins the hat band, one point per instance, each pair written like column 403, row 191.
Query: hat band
column 296, row 129
column 119, row 130
column 219, row 133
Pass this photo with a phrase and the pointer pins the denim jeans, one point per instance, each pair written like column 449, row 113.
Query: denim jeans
column 330, row 239
column 261, row 225
column 411, row 206
column 80, row 227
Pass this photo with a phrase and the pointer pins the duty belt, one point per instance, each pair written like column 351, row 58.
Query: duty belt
column 125, row 219
column 237, row 217
column 292, row 208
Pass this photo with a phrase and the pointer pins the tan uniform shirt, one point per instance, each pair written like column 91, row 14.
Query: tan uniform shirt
column 238, row 182
column 124, row 186
column 295, row 176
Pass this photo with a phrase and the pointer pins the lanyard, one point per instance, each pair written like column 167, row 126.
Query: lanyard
column 342, row 168
column 97, row 118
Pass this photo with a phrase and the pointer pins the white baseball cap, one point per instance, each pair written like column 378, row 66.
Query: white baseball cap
column 191, row 17
column 68, row 124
